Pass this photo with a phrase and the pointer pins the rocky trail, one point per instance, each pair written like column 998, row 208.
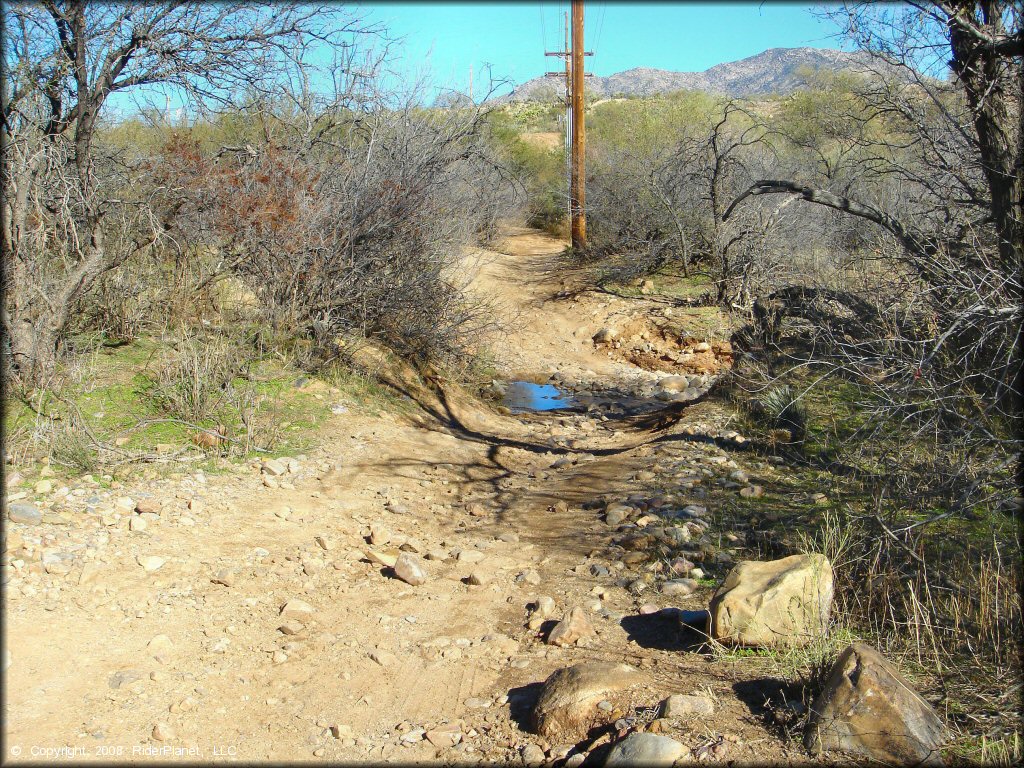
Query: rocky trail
column 398, row 594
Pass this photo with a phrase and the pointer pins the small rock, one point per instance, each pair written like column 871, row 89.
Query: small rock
column 615, row 514
column 384, row 658
column 163, row 732
column 470, row 556
column 160, row 646
column 274, row 467
column 478, row 578
column 383, row 558
column 27, row 514
column 137, row 524
column 44, row 486
column 476, row 510
column 123, row 677
column 544, row 607
column 575, row 626
column 681, row 705
column 225, row 576
column 529, row 576
column 291, row 627
column 379, row 535
column 681, row 566
column 679, row 587
column 646, row 749
column 752, row 492
column 532, row 755
column 409, row 568
column 151, row 562
column 150, row 506
column 297, row 609
column 414, row 736
column 636, row 586
column 674, row 383
column 444, row 736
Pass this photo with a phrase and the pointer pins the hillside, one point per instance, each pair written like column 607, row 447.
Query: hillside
column 777, row 70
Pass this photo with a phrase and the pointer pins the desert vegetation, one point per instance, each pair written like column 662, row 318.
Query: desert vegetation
column 861, row 232
column 293, row 209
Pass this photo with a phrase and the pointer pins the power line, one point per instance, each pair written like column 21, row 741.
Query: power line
column 600, row 27
column 543, row 30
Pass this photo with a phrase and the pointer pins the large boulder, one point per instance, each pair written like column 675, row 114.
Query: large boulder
column 775, row 603
column 867, row 708
column 567, row 707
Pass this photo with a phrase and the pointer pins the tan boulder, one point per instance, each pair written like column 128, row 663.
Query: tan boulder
column 567, row 707
column 867, row 708
column 775, row 603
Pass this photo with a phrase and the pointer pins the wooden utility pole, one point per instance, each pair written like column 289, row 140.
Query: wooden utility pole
column 575, row 128
column 577, row 186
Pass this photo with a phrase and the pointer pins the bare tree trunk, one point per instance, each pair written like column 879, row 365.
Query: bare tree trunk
column 992, row 83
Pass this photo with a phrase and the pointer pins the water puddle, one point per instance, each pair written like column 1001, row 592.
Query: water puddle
column 525, row 396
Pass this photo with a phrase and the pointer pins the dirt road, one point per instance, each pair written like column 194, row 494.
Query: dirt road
column 117, row 656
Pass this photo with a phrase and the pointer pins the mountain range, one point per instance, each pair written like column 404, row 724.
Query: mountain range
column 777, row 70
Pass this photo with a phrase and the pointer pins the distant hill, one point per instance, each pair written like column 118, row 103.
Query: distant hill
column 777, row 70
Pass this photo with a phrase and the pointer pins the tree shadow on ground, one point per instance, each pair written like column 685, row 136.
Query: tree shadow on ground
column 666, row 631
column 767, row 696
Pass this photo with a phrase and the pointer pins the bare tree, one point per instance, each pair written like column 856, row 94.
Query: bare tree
column 937, row 352
column 350, row 217
column 653, row 209
column 70, row 214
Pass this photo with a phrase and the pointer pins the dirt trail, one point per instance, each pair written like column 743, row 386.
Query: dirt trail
column 380, row 659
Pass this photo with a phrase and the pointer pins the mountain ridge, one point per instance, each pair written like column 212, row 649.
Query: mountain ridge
column 776, row 70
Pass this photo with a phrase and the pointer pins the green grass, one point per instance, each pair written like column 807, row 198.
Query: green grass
column 670, row 286
column 112, row 388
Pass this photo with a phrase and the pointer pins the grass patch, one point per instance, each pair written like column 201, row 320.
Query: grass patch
column 134, row 400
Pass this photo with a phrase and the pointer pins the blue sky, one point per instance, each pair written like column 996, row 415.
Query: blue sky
column 684, row 36
column 443, row 40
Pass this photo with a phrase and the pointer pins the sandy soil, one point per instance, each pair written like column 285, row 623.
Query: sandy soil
column 112, row 662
